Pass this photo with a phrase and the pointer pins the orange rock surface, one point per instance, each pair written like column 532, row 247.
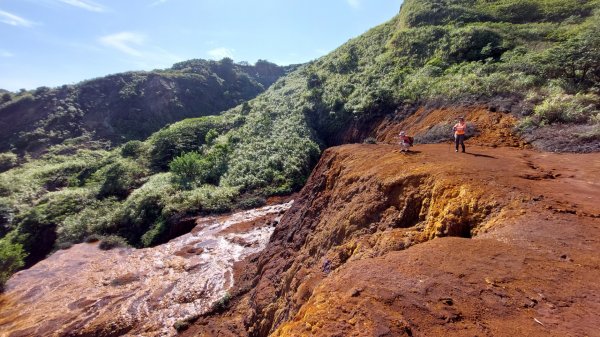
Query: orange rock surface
column 494, row 242
column 491, row 128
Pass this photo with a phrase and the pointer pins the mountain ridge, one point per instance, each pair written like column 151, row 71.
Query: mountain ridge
column 129, row 106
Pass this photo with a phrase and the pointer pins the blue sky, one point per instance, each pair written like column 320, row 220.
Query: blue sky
column 54, row 42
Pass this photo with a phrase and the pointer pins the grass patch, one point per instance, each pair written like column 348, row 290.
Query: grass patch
column 111, row 242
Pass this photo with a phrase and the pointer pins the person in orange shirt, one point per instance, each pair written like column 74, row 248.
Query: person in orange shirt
column 460, row 129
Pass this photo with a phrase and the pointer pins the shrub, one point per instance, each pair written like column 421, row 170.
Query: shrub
column 64, row 245
column 416, row 13
column 6, row 188
column 251, row 202
column 192, row 169
column 56, row 172
column 42, row 225
column 370, row 140
column 418, row 45
column 8, row 160
column 577, row 59
column 12, row 258
column 96, row 218
column 112, row 241
column 474, row 44
column 272, row 153
column 516, row 11
column 155, row 234
column 6, row 97
column 211, row 135
column 185, row 136
column 36, row 235
column 7, row 214
column 56, row 206
column 222, row 304
column 141, row 210
column 181, row 326
column 563, row 108
column 207, row 199
column 187, row 169
column 120, row 177
column 92, row 238
column 133, row 149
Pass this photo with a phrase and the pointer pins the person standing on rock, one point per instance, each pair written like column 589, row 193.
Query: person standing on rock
column 460, row 129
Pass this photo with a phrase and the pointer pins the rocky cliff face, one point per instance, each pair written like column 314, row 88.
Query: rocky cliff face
column 382, row 243
column 127, row 106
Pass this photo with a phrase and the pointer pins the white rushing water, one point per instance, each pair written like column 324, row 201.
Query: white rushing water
column 144, row 290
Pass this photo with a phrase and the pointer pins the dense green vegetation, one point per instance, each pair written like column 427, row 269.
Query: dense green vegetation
column 11, row 259
column 541, row 55
column 466, row 52
column 128, row 106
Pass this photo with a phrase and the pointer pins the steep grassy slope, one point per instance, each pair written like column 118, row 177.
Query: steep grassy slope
column 496, row 56
column 545, row 70
column 128, row 106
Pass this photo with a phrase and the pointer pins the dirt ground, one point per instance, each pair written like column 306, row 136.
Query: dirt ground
column 494, row 242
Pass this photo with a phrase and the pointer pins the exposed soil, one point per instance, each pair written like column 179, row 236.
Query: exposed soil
column 490, row 128
column 494, row 242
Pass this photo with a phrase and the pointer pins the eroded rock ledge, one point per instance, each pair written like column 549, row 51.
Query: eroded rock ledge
column 367, row 250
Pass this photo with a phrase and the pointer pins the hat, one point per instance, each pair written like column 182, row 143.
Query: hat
column 461, row 117
column 402, row 133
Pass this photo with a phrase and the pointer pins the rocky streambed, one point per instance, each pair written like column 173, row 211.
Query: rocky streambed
column 85, row 291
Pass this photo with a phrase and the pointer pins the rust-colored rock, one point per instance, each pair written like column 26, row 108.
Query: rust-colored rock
column 430, row 243
column 491, row 128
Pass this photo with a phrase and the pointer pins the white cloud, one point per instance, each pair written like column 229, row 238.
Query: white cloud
column 14, row 20
column 85, row 4
column 220, row 53
column 158, row 2
column 354, row 3
column 126, row 42
column 155, row 58
column 4, row 53
column 141, row 53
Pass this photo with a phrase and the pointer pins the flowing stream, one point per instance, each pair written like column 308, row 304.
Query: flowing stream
column 141, row 292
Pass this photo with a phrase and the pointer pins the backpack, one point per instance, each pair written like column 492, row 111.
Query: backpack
column 410, row 141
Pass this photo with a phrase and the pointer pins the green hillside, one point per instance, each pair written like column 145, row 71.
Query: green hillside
column 542, row 56
column 128, row 106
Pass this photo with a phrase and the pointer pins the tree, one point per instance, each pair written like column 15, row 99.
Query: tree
column 6, row 97
column 576, row 60
column 187, row 169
